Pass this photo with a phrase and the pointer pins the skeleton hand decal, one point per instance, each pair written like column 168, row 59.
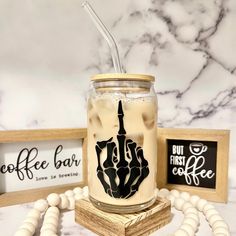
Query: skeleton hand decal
column 124, row 166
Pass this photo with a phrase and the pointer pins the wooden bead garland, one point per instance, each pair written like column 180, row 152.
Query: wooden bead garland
column 191, row 206
column 182, row 201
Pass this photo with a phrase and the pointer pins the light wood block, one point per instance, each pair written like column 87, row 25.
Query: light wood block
column 110, row 224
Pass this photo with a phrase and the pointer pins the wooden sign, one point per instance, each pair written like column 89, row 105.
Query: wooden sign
column 194, row 160
column 34, row 163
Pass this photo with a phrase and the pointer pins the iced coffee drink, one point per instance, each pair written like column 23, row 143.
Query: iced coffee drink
column 122, row 114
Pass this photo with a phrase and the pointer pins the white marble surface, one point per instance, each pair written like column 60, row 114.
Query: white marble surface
column 49, row 49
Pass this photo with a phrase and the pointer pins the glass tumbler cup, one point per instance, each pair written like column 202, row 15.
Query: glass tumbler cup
column 122, row 138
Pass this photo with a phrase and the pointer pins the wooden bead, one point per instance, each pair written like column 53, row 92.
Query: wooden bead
column 179, row 202
column 32, row 220
column 191, row 210
column 194, row 199
column 175, row 193
column 51, row 220
column 23, row 232
column 171, row 198
column 48, row 226
column 71, row 203
column 85, row 189
column 164, row 192
column 64, row 203
column 185, row 196
column 47, row 233
column 188, row 228
column 219, row 224
column 54, row 210
column 161, row 195
column 41, row 205
column 53, row 199
column 214, row 218
column 186, row 206
column 193, row 216
column 222, row 231
column 220, row 234
column 78, row 190
column 51, row 215
column 181, row 232
column 34, row 213
column 29, row 226
column 191, row 222
column 79, row 196
column 69, row 193
column 201, row 204
column 207, row 207
column 85, row 194
column 211, row 212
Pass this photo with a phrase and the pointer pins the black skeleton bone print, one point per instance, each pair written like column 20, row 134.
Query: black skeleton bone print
column 125, row 161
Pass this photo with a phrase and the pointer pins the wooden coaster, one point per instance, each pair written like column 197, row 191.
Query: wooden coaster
column 141, row 223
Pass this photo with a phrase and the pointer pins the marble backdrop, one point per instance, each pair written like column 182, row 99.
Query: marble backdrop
column 49, row 49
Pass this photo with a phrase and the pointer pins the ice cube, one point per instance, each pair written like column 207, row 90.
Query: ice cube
column 90, row 105
column 95, row 120
column 105, row 104
column 148, row 120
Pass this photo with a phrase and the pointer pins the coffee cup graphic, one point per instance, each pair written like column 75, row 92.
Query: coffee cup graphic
column 197, row 148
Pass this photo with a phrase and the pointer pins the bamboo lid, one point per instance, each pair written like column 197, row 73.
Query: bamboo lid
column 122, row 76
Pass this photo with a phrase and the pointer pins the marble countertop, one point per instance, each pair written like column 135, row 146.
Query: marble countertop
column 11, row 218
